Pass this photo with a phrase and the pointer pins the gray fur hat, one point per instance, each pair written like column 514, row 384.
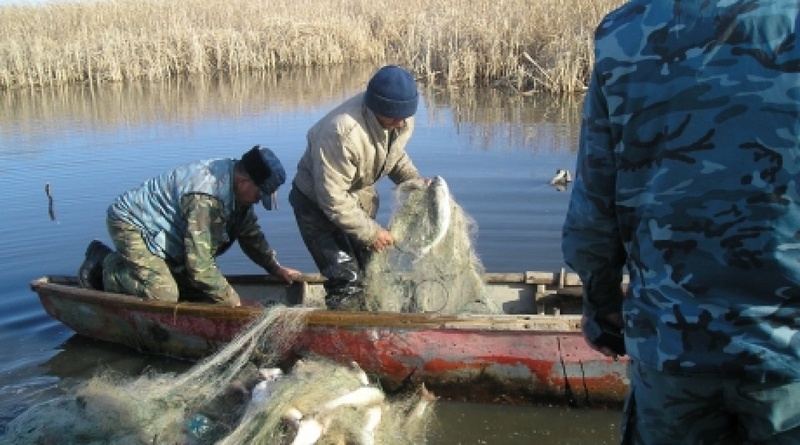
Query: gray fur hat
column 266, row 170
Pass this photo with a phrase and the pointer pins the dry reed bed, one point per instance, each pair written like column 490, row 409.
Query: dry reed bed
column 525, row 45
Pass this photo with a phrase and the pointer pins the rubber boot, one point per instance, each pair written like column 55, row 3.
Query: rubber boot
column 344, row 296
column 90, row 274
column 342, row 270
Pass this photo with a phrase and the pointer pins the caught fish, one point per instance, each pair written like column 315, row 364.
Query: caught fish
column 426, row 398
column 309, row 431
column 313, row 426
column 441, row 211
column 263, row 389
column 423, row 217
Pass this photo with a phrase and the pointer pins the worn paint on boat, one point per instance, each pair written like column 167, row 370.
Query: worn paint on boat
column 533, row 353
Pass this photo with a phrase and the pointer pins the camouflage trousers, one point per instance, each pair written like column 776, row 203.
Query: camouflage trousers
column 668, row 409
column 133, row 270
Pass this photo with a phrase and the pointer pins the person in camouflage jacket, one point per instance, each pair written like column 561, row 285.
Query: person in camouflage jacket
column 169, row 231
column 688, row 179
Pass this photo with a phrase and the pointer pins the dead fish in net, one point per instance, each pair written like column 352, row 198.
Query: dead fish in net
column 309, row 428
column 263, row 389
column 422, row 219
column 353, row 410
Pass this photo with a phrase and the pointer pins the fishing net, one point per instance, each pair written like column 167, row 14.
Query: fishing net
column 232, row 397
column 321, row 396
column 433, row 267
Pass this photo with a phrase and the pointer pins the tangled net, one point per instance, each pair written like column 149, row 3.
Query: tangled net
column 433, row 267
column 233, row 397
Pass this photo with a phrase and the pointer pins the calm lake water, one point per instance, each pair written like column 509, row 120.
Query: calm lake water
column 496, row 152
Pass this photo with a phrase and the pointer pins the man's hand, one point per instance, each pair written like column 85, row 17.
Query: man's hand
column 594, row 338
column 287, row 274
column 384, row 240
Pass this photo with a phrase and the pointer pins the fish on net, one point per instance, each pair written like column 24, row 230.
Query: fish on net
column 236, row 396
column 321, row 402
column 433, row 267
column 422, row 216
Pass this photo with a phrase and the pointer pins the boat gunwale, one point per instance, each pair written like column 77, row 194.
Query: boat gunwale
column 62, row 286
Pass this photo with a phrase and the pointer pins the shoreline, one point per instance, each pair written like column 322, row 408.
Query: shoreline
column 522, row 46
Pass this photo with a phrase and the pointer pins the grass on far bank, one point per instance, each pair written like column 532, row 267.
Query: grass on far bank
column 523, row 45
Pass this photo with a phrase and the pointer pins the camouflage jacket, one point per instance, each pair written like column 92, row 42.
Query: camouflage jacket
column 210, row 232
column 189, row 216
column 688, row 176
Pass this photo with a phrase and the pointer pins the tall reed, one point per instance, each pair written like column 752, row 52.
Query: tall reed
column 525, row 45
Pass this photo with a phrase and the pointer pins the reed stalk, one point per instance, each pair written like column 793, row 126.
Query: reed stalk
column 526, row 46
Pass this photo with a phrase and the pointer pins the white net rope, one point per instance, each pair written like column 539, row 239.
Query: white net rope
column 233, row 397
column 433, row 267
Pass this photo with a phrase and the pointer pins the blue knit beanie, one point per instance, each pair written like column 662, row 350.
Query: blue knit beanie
column 392, row 92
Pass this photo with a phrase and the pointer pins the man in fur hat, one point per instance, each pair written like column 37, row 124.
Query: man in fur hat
column 169, row 231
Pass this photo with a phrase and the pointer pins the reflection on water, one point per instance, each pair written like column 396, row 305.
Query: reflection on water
column 86, row 144
column 490, row 116
column 50, row 210
column 79, row 358
column 471, row 423
column 36, row 118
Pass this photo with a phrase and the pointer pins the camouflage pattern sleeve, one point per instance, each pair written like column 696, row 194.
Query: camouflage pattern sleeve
column 688, row 176
column 592, row 245
column 254, row 244
column 205, row 232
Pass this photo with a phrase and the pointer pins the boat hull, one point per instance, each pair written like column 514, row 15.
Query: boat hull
column 523, row 358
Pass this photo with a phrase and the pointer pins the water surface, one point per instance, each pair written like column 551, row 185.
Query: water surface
column 91, row 143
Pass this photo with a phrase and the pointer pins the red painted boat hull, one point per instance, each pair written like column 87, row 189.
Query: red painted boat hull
column 498, row 358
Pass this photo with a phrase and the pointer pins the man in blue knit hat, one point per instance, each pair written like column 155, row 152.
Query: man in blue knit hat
column 333, row 195
column 169, row 231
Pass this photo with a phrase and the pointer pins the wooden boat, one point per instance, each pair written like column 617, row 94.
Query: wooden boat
column 532, row 353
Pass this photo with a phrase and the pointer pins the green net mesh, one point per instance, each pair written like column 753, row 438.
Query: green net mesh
column 233, row 397
column 433, row 267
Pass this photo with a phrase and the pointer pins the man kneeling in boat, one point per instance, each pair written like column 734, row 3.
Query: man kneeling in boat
column 169, row 231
